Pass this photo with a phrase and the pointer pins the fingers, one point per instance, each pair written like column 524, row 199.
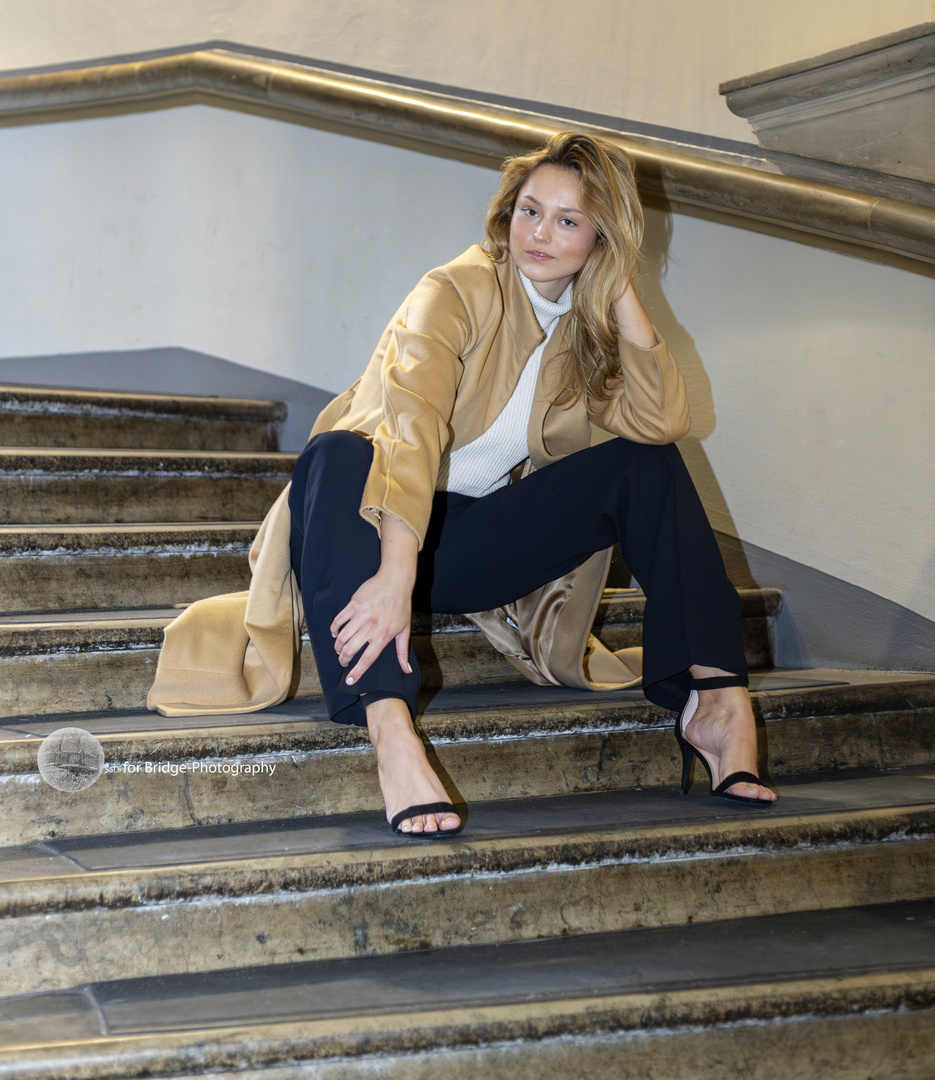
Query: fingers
column 373, row 650
column 402, row 650
column 370, row 654
column 353, row 631
column 358, row 636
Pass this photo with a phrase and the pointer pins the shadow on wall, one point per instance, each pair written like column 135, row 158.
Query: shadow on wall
column 656, row 243
column 176, row 371
column 825, row 621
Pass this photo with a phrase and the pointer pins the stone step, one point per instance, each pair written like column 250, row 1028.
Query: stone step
column 89, row 567
column 46, row 568
column 85, row 661
column 498, row 741
column 79, row 487
column 83, row 910
column 40, row 416
column 840, row 995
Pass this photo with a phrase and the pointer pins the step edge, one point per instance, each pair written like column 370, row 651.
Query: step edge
column 477, row 1026
column 286, row 876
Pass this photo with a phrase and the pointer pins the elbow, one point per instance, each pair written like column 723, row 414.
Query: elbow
column 680, row 427
column 669, row 428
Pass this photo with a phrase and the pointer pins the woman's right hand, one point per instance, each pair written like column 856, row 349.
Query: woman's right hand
column 381, row 609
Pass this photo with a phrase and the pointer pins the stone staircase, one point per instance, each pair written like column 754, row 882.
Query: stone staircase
column 227, row 898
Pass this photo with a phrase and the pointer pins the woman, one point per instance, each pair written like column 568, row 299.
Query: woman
column 503, row 359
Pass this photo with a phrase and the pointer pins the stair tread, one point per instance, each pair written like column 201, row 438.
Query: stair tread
column 456, row 701
column 44, row 536
column 769, row 958
column 73, row 620
column 618, row 607
column 60, row 399
column 653, row 821
column 95, row 456
column 497, row 741
column 614, row 599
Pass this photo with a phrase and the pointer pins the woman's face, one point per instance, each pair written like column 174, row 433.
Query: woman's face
column 550, row 238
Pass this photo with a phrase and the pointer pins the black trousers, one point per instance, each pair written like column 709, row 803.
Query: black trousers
column 482, row 553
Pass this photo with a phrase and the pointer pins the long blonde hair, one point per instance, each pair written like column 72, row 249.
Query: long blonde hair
column 608, row 198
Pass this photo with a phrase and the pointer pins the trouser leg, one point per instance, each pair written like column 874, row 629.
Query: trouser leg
column 481, row 553
column 333, row 552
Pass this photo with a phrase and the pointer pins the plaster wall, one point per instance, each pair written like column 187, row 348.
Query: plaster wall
column 286, row 249
column 271, row 245
column 653, row 61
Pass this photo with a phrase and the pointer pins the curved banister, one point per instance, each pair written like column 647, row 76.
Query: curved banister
column 475, row 128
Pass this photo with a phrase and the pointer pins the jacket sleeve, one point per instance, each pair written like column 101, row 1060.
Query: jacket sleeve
column 420, row 373
column 647, row 401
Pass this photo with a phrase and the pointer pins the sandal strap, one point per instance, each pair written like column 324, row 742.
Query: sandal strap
column 419, row 810
column 718, row 681
column 736, row 778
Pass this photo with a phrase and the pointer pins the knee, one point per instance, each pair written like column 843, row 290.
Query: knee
column 339, row 446
column 345, row 451
column 333, row 465
column 626, row 458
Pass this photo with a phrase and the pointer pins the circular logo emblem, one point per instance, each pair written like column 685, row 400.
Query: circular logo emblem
column 70, row 759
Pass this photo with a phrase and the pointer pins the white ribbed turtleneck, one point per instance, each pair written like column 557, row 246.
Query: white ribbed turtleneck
column 484, row 464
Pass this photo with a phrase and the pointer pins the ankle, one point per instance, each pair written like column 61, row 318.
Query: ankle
column 707, row 678
column 388, row 718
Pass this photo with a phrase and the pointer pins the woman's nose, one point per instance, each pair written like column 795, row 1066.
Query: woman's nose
column 541, row 231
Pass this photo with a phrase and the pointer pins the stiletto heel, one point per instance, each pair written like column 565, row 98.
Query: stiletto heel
column 689, row 751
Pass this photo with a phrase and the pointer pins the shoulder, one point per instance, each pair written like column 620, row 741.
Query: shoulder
column 466, row 293
column 473, row 277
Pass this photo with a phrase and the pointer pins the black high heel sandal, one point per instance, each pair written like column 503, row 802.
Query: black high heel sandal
column 689, row 751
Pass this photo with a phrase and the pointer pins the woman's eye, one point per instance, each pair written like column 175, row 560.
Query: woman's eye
column 568, row 221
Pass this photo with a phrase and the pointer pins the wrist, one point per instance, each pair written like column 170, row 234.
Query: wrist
column 396, row 576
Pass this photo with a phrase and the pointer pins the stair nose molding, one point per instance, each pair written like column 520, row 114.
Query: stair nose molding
column 871, row 106
column 55, row 417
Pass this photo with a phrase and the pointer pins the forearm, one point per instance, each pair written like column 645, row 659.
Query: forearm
column 646, row 402
column 633, row 323
column 399, row 551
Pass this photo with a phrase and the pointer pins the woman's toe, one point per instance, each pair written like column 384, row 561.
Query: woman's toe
column 753, row 791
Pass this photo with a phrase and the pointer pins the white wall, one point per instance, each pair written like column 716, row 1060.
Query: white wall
column 285, row 249
column 268, row 244
column 812, row 385
column 655, row 61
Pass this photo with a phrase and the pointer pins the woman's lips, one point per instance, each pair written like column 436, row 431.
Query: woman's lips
column 539, row 256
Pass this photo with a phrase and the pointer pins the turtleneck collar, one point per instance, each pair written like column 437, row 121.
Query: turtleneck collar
column 547, row 311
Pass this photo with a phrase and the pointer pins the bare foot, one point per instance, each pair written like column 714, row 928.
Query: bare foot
column 406, row 777
column 724, row 729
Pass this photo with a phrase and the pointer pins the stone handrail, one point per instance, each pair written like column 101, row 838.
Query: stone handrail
column 737, row 193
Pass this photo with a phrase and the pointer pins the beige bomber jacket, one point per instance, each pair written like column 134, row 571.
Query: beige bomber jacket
column 442, row 372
